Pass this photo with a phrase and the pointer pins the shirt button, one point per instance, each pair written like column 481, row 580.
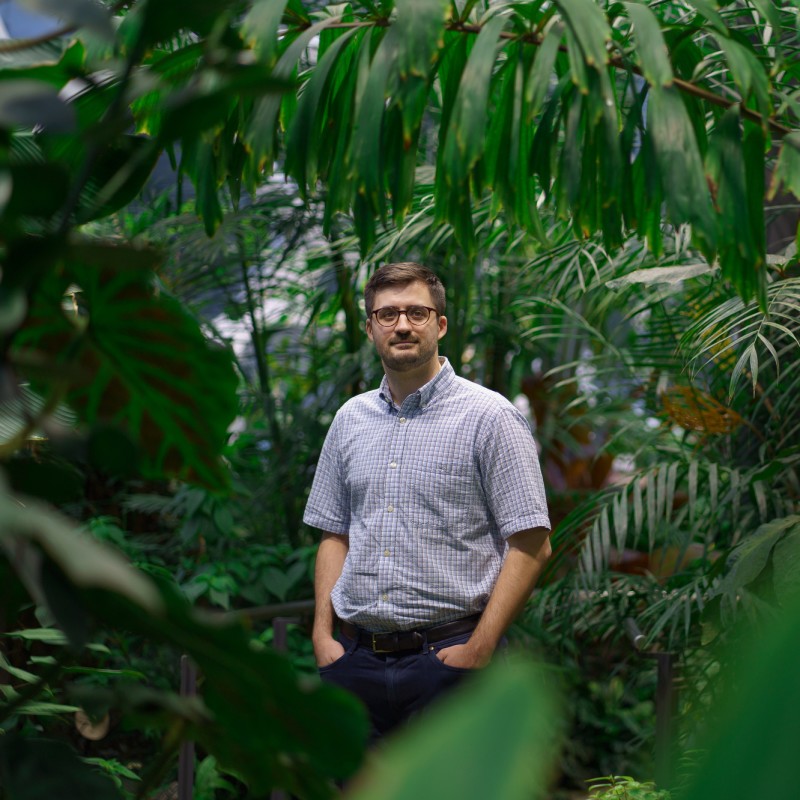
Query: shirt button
column 386, row 552
column 390, row 509
column 393, row 465
column 385, row 596
column 401, row 420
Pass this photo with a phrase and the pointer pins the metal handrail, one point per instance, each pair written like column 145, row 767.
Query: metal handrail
column 666, row 700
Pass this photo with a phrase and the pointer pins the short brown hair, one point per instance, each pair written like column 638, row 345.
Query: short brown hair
column 399, row 275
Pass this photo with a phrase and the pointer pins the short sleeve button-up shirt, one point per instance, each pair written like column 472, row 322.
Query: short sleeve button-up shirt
column 428, row 492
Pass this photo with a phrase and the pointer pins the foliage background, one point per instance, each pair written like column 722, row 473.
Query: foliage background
column 606, row 191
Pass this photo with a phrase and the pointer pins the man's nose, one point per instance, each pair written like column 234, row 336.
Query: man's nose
column 402, row 325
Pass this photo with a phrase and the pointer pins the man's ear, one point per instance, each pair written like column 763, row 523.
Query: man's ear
column 369, row 329
column 442, row 326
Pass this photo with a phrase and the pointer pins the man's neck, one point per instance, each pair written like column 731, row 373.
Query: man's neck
column 402, row 384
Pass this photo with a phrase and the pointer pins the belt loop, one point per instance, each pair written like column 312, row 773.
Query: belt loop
column 424, row 633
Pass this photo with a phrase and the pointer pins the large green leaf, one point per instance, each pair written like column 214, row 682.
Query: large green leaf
column 588, row 23
column 27, row 197
column 751, row 749
column 748, row 73
column 680, row 165
column 117, row 175
column 28, row 103
column 259, row 134
column 85, row 562
column 260, row 27
column 420, row 38
column 741, row 257
column 308, row 122
column 465, row 137
column 650, row 45
column 43, row 769
column 139, row 361
column 153, row 21
column 751, row 557
column 497, row 731
column 268, row 725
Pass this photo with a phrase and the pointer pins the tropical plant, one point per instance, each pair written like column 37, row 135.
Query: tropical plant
column 608, row 115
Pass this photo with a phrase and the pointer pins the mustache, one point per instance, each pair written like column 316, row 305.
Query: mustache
column 403, row 340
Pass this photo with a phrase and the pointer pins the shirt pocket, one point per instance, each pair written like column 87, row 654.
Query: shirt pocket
column 445, row 488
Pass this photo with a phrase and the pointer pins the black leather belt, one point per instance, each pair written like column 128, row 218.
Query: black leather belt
column 398, row 641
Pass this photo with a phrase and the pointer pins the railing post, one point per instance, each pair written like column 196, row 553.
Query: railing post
column 189, row 681
column 186, row 754
column 666, row 702
column 280, row 642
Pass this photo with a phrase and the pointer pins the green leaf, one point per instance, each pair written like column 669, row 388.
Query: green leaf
column 260, row 27
column 420, row 38
column 301, row 149
column 708, row 8
column 27, row 103
column 117, row 176
column 43, row 769
column 209, row 103
column 84, row 561
column 650, row 45
column 763, row 694
column 748, row 73
column 152, row 21
column 770, row 12
column 740, row 258
column 205, row 175
column 588, row 24
column 27, row 197
column 680, row 165
column 140, row 362
column 366, row 148
column 48, row 635
column 56, row 70
column 787, row 171
column 750, row 558
column 655, row 275
column 786, row 564
column 541, row 72
column 259, row 134
column 282, row 723
column 499, row 729
column 465, row 139
column 52, row 480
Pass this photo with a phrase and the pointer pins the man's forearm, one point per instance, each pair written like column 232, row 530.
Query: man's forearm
column 527, row 554
column 330, row 562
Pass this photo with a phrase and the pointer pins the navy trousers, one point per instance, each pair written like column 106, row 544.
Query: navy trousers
column 394, row 686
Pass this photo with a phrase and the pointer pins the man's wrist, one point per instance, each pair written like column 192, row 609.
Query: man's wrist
column 322, row 633
column 480, row 648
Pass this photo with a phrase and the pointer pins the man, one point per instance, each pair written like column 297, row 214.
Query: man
column 435, row 527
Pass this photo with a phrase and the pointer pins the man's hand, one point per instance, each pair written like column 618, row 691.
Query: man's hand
column 327, row 650
column 463, row 656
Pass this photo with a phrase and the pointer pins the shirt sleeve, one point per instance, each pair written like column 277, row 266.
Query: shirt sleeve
column 510, row 473
column 328, row 506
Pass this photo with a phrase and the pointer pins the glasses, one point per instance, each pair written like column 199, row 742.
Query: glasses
column 416, row 315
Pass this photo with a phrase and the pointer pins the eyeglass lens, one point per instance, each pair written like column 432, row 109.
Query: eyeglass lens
column 417, row 315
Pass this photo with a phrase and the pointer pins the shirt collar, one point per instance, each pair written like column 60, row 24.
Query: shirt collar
column 426, row 394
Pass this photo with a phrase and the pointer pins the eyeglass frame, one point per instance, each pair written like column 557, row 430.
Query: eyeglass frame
column 404, row 311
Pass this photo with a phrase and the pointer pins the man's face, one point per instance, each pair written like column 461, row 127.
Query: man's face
column 404, row 346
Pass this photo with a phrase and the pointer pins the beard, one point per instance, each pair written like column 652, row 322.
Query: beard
column 408, row 359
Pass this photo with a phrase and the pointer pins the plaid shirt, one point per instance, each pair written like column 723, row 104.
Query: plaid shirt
column 428, row 492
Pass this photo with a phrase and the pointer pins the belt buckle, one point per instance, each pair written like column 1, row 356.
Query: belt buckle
column 375, row 648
